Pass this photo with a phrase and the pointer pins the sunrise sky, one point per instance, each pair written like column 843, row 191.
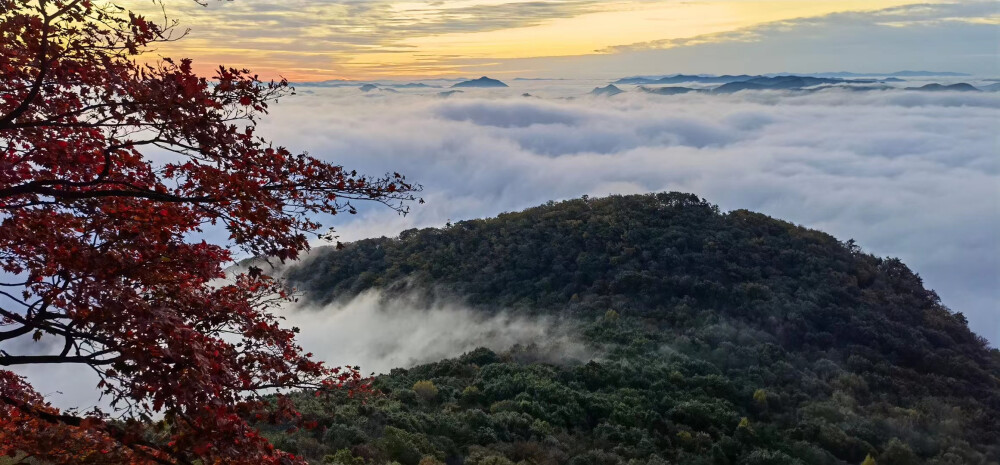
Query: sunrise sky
column 357, row 39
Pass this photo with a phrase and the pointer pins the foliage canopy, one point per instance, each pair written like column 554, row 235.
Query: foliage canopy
column 723, row 338
column 111, row 161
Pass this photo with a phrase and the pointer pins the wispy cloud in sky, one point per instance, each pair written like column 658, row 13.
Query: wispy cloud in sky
column 921, row 15
column 339, row 37
column 955, row 36
column 317, row 39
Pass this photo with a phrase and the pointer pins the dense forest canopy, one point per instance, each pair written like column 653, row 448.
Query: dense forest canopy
column 724, row 338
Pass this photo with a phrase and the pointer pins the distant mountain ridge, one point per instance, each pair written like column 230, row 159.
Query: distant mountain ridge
column 724, row 79
column 650, row 80
column 796, row 83
column 413, row 85
column 995, row 87
column 683, row 78
column 897, row 74
column 372, row 88
column 960, row 87
column 780, row 83
column 670, row 90
column 746, row 82
column 481, row 82
column 608, row 90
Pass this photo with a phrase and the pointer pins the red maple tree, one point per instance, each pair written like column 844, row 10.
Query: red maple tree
column 97, row 250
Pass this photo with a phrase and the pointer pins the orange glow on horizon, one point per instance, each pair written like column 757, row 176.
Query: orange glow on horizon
column 313, row 40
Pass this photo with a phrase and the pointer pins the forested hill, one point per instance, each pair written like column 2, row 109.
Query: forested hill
column 671, row 258
column 726, row 338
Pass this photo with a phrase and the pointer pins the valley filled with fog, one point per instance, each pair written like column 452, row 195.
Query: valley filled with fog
column 907, row 174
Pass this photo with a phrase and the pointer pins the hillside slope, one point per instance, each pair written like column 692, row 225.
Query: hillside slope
column 725, row 338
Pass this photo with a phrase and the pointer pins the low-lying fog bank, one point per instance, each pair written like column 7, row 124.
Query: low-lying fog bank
column 380, row 333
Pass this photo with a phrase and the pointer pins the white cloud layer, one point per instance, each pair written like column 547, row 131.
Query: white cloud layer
column 907, row 174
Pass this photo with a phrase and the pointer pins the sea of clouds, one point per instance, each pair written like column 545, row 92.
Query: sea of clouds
column 908, row 174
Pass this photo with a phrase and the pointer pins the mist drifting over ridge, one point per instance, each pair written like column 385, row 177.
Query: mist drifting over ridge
column 379, row 332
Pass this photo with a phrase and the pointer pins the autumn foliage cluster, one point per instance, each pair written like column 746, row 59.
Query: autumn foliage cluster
column 111, row 163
